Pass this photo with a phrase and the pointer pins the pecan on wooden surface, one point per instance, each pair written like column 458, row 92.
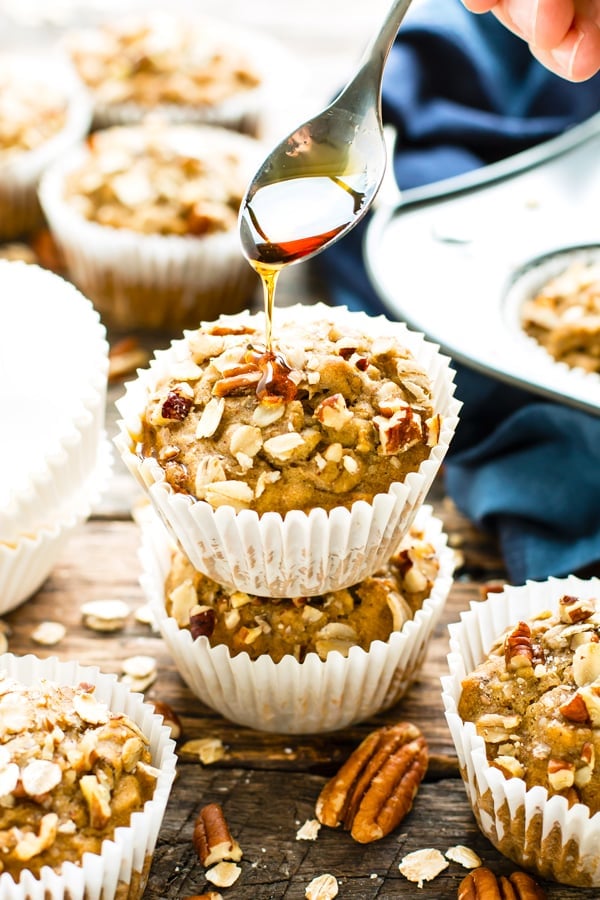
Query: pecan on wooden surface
column 375, row 788
column 212, row 839
column 482, row 884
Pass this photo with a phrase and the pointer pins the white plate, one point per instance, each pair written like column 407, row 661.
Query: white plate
column 451, row 259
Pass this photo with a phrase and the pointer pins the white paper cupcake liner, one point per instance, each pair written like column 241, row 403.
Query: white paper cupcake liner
column 20, row 175
column 538, row 833
column 121, row 868
column 26, row 562
column 53, row 376
column 150, row 281
column 290, row 697
column 301, row 554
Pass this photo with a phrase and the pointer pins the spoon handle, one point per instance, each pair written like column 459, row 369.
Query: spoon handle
column 365, row 85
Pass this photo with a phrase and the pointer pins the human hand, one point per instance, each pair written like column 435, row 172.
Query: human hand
column 564, row 35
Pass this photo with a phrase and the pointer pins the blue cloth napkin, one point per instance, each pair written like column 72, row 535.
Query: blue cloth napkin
column 463, row 92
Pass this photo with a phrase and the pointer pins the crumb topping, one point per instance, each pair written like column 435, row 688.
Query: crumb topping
column 535, row 701
column 159, row 180
column 70, row 773
column 160, row 58
column 31, row 113
column 564, row 316
column 331, row 417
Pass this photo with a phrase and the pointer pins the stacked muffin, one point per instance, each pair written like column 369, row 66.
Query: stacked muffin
column 291, row 476
column 55, row 457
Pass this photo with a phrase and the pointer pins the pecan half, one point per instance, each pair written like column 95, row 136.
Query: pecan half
column 375, row 788
column 212, row 839
column 482, row 884
column 518, row 648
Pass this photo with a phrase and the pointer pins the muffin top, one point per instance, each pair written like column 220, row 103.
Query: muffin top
column 168, row 180
column 31, row 112
column 535, row 701
column 356, row 616
column 331, row 416
column 160, row 58
column 564, row 316
column 70, row 773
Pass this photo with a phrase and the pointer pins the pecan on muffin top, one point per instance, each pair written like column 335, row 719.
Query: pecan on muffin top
column 332, row 417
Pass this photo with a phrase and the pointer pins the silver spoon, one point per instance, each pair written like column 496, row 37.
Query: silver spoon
column 320, row 181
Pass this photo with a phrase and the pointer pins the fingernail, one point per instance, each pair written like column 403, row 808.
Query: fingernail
column 565, row 56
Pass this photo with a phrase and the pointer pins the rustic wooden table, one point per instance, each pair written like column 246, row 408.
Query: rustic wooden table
column 267, row 784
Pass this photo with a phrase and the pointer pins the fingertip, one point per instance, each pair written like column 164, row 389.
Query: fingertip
column 551, row 22
column 479, row 6
column 577, row 57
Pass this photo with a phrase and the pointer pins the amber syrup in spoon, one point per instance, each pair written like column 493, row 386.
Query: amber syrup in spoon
column 292, row 217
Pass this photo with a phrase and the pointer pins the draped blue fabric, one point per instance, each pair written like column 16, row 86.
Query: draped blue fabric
column 463, row 92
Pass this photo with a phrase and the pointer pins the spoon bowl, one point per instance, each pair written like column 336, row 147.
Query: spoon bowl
column 319, row 182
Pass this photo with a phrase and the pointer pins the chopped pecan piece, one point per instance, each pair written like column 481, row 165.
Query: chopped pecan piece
column 576, row 710
column 375, row 788
column 574, row 609
column 212, row 839
column 518, row 648
column 482, row 884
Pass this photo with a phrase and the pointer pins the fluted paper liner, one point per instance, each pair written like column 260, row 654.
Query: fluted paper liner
column 26, row 562
column 153, row 281
column 290, row 696
column 121, row 868
column 53, row 376
column 540, row 834
column 19, row 176
column 300, row 554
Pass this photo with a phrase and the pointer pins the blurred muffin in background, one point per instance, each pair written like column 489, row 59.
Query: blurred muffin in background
column 190, row 68
column 563, row 315
column 43, row 112
column 146, row 218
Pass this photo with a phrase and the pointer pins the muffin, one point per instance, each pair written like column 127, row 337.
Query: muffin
column 146, row 218
column 522, row 705
column 563, row 316
column 189, row 68
column 293, row 473
column 304, row 664
column 43, row 112
column 85, row 772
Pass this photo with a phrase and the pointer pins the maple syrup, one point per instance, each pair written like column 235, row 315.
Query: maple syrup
column 292, row 217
